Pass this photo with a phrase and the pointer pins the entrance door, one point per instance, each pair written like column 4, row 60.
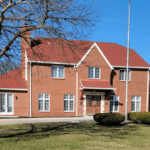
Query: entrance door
column 93, row 104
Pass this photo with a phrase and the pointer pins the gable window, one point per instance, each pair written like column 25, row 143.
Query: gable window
column 6, row 103
column 68, row 102
column 122, row 75
column 43, row 102
column 57, row 72
column 94, row 73
column 135, row 104
column 114, row 103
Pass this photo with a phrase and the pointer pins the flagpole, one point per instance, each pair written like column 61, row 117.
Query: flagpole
column 127, row 68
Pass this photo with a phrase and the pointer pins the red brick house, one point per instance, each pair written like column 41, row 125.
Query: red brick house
column 56, row 86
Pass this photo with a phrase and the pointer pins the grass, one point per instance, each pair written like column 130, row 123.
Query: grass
column 70, row 136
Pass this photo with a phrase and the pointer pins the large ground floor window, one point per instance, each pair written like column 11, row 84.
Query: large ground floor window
column 68, row 102
column 6, row 103
column 44, row 102
column 135, row 104
column 114, row 103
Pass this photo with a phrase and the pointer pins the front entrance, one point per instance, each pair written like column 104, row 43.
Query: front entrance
column 93, row 104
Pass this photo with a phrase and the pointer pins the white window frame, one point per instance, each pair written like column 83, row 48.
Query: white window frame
column 135, row 103
column 8, row 113
column 114, row 100
column 58, row 72
column 125, row 74
column 43, row 102
column 94, row 72
column 69, row 103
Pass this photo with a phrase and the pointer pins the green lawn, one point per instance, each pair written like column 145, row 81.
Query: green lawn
column 70, row 136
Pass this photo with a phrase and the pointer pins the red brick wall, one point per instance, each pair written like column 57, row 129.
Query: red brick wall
column 137, row 86
column 42, row 82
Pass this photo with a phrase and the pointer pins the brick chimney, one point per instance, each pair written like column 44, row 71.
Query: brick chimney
column 24, row 45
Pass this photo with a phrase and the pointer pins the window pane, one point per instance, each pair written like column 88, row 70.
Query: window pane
column 133, row 106
column 46, row 104
column 40, row 104
column 111, row 106
column 89, row 103
column 116, row 106
column 133, row 97
column 97, row 73
column 40, row 95
column 61, row 72
column 65, row 96
column 137, row 105
column 121, row 76
column 65, row 105
column 128, row 74
column 54, row 72
column 138, row 97
column 2, row 103
column 111, row 97
column 91, row 72
column 71, row 105
column 9, row 102
column 70, row 96
column 46, row 96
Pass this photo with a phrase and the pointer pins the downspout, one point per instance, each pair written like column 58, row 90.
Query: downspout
column 76, row 91
column 147, row 91
column 30, row 92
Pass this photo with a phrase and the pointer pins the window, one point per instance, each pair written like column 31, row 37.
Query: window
column 94, row 73
column 68, row 102
column 43, row 102
column 6, row 104
column 122, row 75
column 135, row 104
column 57, row 72
column 114, row 103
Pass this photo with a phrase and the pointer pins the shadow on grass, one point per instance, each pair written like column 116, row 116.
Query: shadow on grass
column 43, row 130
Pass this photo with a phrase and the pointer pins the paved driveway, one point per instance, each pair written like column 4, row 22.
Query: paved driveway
column 57, row 119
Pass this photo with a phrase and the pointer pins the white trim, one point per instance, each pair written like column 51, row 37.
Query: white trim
column 26, row 65
column 13, row 89
column 147, row 91
column 99, row 88
column 30, row 92
column 102, row 104
column 6, row 113
column 131, row 67
column 44, row 102
column 100, row 53
column 76, row 93
column 57, row 72
column 48, row 62
column 114, row 100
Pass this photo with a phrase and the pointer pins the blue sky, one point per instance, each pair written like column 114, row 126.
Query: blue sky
column 114, row 21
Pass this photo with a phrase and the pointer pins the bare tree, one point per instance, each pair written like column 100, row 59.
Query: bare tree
column 65, row 20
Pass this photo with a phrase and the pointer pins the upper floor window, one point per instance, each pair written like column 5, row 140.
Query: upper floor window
column 57, row 72
column 94, row 73
column 114, row 103
column 122, row 75
column 135, row 105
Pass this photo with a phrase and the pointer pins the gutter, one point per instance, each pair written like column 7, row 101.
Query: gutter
column 30, row 92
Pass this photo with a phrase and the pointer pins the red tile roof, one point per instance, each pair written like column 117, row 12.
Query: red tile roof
column 97, row 84
column 13, row 79
column 115, row 54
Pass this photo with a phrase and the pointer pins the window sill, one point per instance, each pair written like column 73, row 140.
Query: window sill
column 43, row 111
column 58, row 78
column 68, row 111
column 6, row 114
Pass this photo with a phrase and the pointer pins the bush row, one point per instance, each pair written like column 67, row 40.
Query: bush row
column 140, row 117
column 108, row 118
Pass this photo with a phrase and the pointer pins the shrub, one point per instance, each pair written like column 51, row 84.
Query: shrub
column 109, row 118
column 140, row 117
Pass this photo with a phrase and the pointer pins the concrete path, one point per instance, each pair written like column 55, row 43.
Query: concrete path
column 56, row 119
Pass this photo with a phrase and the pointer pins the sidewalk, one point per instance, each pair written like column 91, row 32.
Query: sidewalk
column 55, row 119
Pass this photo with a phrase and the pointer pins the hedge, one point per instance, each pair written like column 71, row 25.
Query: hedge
column 140, row 117
column 108, row 118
